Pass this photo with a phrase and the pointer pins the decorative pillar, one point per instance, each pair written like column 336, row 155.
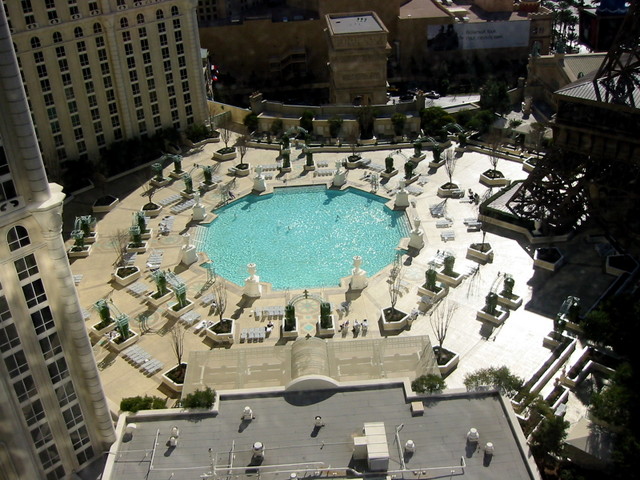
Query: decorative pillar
column 198, row 214
column 416, row 237
column 359, row 278
column 340, row 177
column 189, row 255
column 252, row 287
column 402, row 197
column 259, row 183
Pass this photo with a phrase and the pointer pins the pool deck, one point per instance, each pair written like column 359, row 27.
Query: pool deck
column 517, row 343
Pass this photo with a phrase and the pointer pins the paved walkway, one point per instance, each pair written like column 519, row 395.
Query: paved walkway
column 517, row 343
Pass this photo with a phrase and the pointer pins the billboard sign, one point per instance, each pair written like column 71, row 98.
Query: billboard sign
column 474, row 36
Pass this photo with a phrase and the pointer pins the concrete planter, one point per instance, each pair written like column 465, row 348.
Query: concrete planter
column 175, row 387
column 156, row 302
column 291, row 333
column 243, row 172
column 93, row 331
column 528, row 166
column 452, row 281
column 129, row 279
column 178, row 313
column 141, row 249
column 552, row 340
column 437, row 164
column 152, row 212
column 482, row 256
column 222, row 337
column 223, row 157
column 493, row 182
column 205, row 187
column 118, row 347
column 390, row 174
column 79, row 253
column 548, row 258
column 177, row 175
column 434, row 296
column 496, row 320
column 91, row 238
column 105, row 204
column 285, row 169
column 451, row 365
column 187, row 195
column 417, row 159
column 352, row 163
column 401, row 324
column 618, row 264
column 309, row 168
column 511, row 302
column 326, row 332
column 454, row 192
column 410, row 180
column 159, row 183
column 147, row 234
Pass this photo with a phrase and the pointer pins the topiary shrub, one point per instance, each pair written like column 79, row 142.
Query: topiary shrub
column 200, row 399
column 134, row 404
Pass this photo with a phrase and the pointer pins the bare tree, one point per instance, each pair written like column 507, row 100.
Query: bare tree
column 118, row 242
column 177, row 333
column 225, row 132
column 495, row 142
column 440, row 321
column 220, row 290
column 450, row 161
column 395, row 281
column 241, row 145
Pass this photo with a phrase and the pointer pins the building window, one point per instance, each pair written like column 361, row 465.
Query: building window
column 26, row 6
column 86, row 73
column 180, row 49
column 153, row 97
column 162, row 27
column 165, row 52
column 85, row 455
column 107, row 82
column 16, row 363
column 49, row 456
column 5, row 313
column 159, row 14
column 97, row 28
column 50, row 346
column 142, row 32
column 56, row 474
column 58, row 371
column 65, row 393
column 77, row 32
column 58, row 140
column 42, row 320
column 57, row 37
column 45, row 85
column 176, row 24
column 25, row 388
column 100, row 42
column 163, row 40
column 79, row 437
column 151, row 84
column 182, row 61
column 178, row 36
column 117, row 133
column 102, row 55
column 169, row 78
column 34, row 293
column 104, row 69
column 111, row 96
column 157, row 122
column 73, row 416
column 66, row 78
column 131, row 62
column 174, row 11
column 95, row 114
column 17, row 237
column 77, row 133
column 26, row 266
column 139, row 18
column 84, row 59
column 38, row 57
column 89, row 87
column 140, row 114
column 155, row 109
column 63, row 64
column 41, row 434
column 126, row 36
column 124, row 23
column 144, row 44
column 8, row 337
column 33, row 412
column 42, row 71
column 128, row 49
column 55, row 127
column 52, row 114
column 97, row 127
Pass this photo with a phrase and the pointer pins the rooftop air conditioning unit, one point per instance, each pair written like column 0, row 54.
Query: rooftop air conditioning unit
column 54, row 21
column 32, row 26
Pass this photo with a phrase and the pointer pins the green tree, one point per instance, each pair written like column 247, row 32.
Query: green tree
column 494, row 97
column 366, row 116
column 200, row 399
column 548, row 438
column 277, row 127
column 398, row 121
column 251, row 122
column 615, row 403
column 497, row 377
column 430, row 383
column 306, row 120
column 433, row 119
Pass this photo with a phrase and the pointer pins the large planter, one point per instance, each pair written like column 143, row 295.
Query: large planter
column 91, row 238
column 178, row 313
column 437, row 164
column 452, row 281
column 496, row 320
column 390, row 174
column 402, row 320
column 309, row 168
column 222, row 337
column 548, row 258
column 221, row 156
column 101, row 332
column 290, row 333
column 156, row 302
column 417, row 159
column 449, row 366
column 124, row 276
column 353, row 161
column 118, row 347
column 619, row 264
column 177, row 175
column 553, row 340
column 529, row 164
column 450, row 190
column 285, row 169
column 151, row 211
column 512, row 302
column 187, row 195
column 146, row 235
column 494, row 179
column 412, row 179
column 242, row 172
column 443, row 289
column 326, row 332
column 105, row 204
column 79, row 252
column 159, row 183
column 480, row 251
column 172, row 385
column 137, row 249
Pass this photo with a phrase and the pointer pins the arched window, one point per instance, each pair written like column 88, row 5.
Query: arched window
column 124, row 23
column 18, row 237
column 77, row 32
column 35, row 42
column 57, row 37
column 174, row 10
column 159, row 14
column 140, row 18
column 97, row 28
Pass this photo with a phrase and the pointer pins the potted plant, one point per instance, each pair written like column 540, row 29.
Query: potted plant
column 188, row 191
column 389, row 170
column 227, row 152
column 222, row 331
column 126, row 274
column 79, row 249
column 481, row 251
column 177, row 166
column 417, row 152
column 506, row 297
column 286, row 162
column 431, row 288
column 326, row 321
column 150, row 208
column 491, row 312
column 437, row 161
column 106, row 323
column 242, row 168
column 366, row 117
column 125, row 336
column 409, row 176
column 309, row 165
column 448, row 275
column 494, row 177
column 394, row 319
column 136, row 244
column 290, row 324
column 162, row 293
column 158, row 179
column 174, row 377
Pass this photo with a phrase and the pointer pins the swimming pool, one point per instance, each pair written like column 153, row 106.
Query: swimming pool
column 303, row 237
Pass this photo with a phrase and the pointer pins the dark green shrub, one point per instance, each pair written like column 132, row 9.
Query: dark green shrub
column 134, row 404
column 200, row 399
column 251, row 122
column 430, row 383
column 289, row 318
column 197, row 131
column 325, row 315
column 388, row 164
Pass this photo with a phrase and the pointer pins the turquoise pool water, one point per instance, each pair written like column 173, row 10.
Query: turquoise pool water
column 303, row 237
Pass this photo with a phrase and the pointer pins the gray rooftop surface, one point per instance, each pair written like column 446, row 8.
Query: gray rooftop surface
column 360, row 23
column 284, row 424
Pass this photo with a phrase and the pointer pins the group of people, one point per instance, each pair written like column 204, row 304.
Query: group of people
column 357, row 326
column 474, row 197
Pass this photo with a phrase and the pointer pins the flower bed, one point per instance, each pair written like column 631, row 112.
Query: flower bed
column 224, row 154
column 450, row 189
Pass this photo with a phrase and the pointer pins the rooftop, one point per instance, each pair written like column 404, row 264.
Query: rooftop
column 222, row 444
column 341, row 24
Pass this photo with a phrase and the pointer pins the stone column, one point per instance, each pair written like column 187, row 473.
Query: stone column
column 416, row 237
column 252, row 287
column 359, row 278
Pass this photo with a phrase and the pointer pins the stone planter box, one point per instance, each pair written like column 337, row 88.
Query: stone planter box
column 105, row 206
column 493, row 182
column 309, row 168
column 79, row 253
column 141, row 249
column 495, row 320
column 243, row 172
column 451, row 281
column 176, row 387
column 326, row 332
column 618, row 264
column 401, row 324
column 368, row 141
column 205, row 187
column 451, row 365
column 222, row 337
column 91, row 238
column 438, row 164
column 527, row 166
column 159, row 183
column 552, row 341
column 147, row 234
column 124, row 281
column 223, row 157
column 389, row 174
column 483, row 257
column 434, row 296
column 177, row 175
column 178, row 313
column 290, row 333
column 548, row 258
column 103, row 331
column 285, row 169
column 410, row 180
column 352, row 163
column 512, row 302
column 417, row 159
column 152, row 212
column 450, row 192
column 187, row 195
column 156, row 302
column 118, row 347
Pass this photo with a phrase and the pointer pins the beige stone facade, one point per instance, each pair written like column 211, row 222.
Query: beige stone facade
column 101, row 71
